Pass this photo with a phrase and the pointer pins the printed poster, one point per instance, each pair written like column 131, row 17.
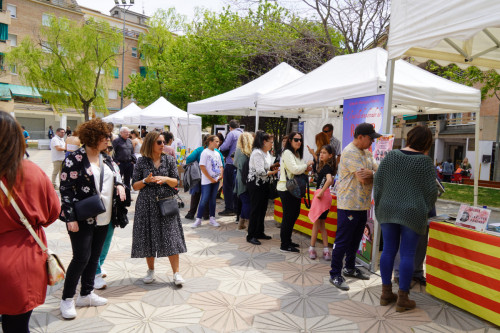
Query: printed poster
column 368, row 109
column 383, row 145
column 474, row 218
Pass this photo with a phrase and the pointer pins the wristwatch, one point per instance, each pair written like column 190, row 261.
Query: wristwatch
column 144, row 181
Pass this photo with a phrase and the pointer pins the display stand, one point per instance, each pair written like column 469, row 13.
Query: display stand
column 463, row 268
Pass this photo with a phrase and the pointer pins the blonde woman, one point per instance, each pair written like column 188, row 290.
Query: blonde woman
column 136, row 143
column 241, row 157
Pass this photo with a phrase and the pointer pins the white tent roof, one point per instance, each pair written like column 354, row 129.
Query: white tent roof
column 242, row 100
column 465, row 32
column 160, row 113
column 119, row 117
column 363, row 74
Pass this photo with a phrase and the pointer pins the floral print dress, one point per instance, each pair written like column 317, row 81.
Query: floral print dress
column 155, row 235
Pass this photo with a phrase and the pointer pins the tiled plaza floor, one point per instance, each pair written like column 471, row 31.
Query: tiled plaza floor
column 233, row 286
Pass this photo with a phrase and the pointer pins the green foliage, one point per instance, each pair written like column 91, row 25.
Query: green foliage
column 489, row 80
column 69, row 64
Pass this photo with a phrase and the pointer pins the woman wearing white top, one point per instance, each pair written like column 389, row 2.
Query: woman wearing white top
column 136, row 143
column 72, row 143
column 80, row 179
column 291, row 165
column 259, row 179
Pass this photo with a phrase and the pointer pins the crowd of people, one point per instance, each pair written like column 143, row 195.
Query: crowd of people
column 107, row 168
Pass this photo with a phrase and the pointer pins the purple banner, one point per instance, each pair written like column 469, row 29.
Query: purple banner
column 362, row 110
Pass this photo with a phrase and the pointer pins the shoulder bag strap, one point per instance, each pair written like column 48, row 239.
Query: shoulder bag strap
column 101, row 176
column 23, row 218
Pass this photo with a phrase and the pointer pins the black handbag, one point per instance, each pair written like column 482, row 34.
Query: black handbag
column 91, row 206
column 168, row 206
column 298, row 186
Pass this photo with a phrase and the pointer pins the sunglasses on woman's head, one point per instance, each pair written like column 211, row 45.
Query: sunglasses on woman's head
column 297, row 139
column 160, row 142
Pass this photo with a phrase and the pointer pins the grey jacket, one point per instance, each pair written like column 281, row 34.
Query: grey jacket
column 192, row 175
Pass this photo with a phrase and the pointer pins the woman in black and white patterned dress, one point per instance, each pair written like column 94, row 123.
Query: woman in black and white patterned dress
column 155, row 175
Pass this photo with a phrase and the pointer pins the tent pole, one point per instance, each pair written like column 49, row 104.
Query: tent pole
column 256, row 120
column 187, row 141
column 477, row 163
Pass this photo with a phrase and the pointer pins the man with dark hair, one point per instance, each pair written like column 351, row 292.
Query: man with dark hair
column 124, row 155
column 26, row 137
column 57, row 147
column 230, row 170
column 354, row 192
column 334, row 142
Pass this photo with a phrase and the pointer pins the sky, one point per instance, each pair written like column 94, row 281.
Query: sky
column 185, row 7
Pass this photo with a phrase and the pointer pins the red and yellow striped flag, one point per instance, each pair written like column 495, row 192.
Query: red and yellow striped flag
column 463, row 268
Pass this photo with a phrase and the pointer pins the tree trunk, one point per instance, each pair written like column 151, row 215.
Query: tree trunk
column 86, row 107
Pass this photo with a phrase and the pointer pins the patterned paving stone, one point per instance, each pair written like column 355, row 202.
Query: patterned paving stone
column 305, row 302
column 238, row 282
column 285, row 322
column 192, row 329
column 141, row 317
column 245, row 246
column 248, row 260
column 204, row 248
column 302, row 275
column 226, row 313
column 378, row 318
column 47, row 323
column 366, row 291
column 217, row 236
column 198, row 266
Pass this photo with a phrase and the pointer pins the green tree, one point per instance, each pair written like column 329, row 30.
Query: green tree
column 69, row 63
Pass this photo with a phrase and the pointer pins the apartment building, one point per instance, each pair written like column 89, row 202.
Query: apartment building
column 21, row 18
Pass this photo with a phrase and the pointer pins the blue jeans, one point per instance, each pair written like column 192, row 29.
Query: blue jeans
column 228, row 187
column 208, row 195
column 394, row 235
column 105, row 247
column 350, row 227
column 245, row 205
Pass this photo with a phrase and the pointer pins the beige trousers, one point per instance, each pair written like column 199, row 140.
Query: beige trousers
column 56, row 171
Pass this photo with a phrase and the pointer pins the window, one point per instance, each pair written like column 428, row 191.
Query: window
column 116, row 72
column 13, row 69
column 133, row 72
column 13, row 10
column 134, row 52
column 46, row 19
column 13, row 40
column 112, row 94
column 142, row 70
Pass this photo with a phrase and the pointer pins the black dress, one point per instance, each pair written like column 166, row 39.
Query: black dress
column 321, row 182
column 154, row 235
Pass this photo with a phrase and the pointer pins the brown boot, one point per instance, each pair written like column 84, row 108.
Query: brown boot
column 404, row 303
column 387, row 296
column 242, row 225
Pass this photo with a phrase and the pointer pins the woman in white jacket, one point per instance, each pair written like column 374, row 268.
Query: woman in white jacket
column 259, row 179
column 291, row 165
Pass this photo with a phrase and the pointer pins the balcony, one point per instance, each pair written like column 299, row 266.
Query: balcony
column 5, row 17
column 4, row 46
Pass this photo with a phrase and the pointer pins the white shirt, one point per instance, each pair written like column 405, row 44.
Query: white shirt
column 57, row 155
column 106, row 194
column 212, row 162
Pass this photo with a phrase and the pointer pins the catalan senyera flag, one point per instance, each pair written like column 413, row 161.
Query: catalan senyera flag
column 463, row 268
column 304, row 225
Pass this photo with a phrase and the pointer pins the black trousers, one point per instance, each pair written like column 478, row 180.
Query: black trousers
column 259, row 197
column 16, row 323
column 193, row 206
column 126, row 171
column 87, row 246
column 228, row 187
column 291, row 211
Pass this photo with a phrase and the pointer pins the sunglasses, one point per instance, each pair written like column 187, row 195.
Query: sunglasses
column 297, row 140
column 160, row 142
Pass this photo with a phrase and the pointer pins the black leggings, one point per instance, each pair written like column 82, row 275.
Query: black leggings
column 291, row 211
column 16, row 323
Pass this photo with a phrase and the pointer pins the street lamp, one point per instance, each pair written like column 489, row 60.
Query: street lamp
column 126, row 6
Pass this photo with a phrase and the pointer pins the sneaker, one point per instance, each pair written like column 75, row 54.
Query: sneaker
column 339, row 282
column 227, row 212
column 213, row 222
column 326, row 254
column 189, row 216
column 196, row 223
column 91, row 299
column 68, row 310
column 355, row 273
column 312, row 253
column 103, row 273
column 99, row 282
column 289, row 249
column 421, row 280
column 150, row 277
column 178, row 280
column 294, row 244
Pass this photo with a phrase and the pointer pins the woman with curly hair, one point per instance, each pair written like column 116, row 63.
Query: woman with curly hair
column 23, row 265
column 81, row 179
column 241, row 157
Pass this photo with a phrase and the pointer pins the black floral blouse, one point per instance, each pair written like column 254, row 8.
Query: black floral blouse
column 77, row 182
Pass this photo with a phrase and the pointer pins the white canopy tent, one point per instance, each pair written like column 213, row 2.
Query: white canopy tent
column 162, row 112
column 119, row 117
column 242, row 100
column 464, row 32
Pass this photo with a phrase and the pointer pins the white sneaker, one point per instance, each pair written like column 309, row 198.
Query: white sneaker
column 91, row 299
column 103, row 273
column 178, row 280
column 99, row 282
column 196, row 223
column 213, row 222
column 150, row 277
column 68, row 310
